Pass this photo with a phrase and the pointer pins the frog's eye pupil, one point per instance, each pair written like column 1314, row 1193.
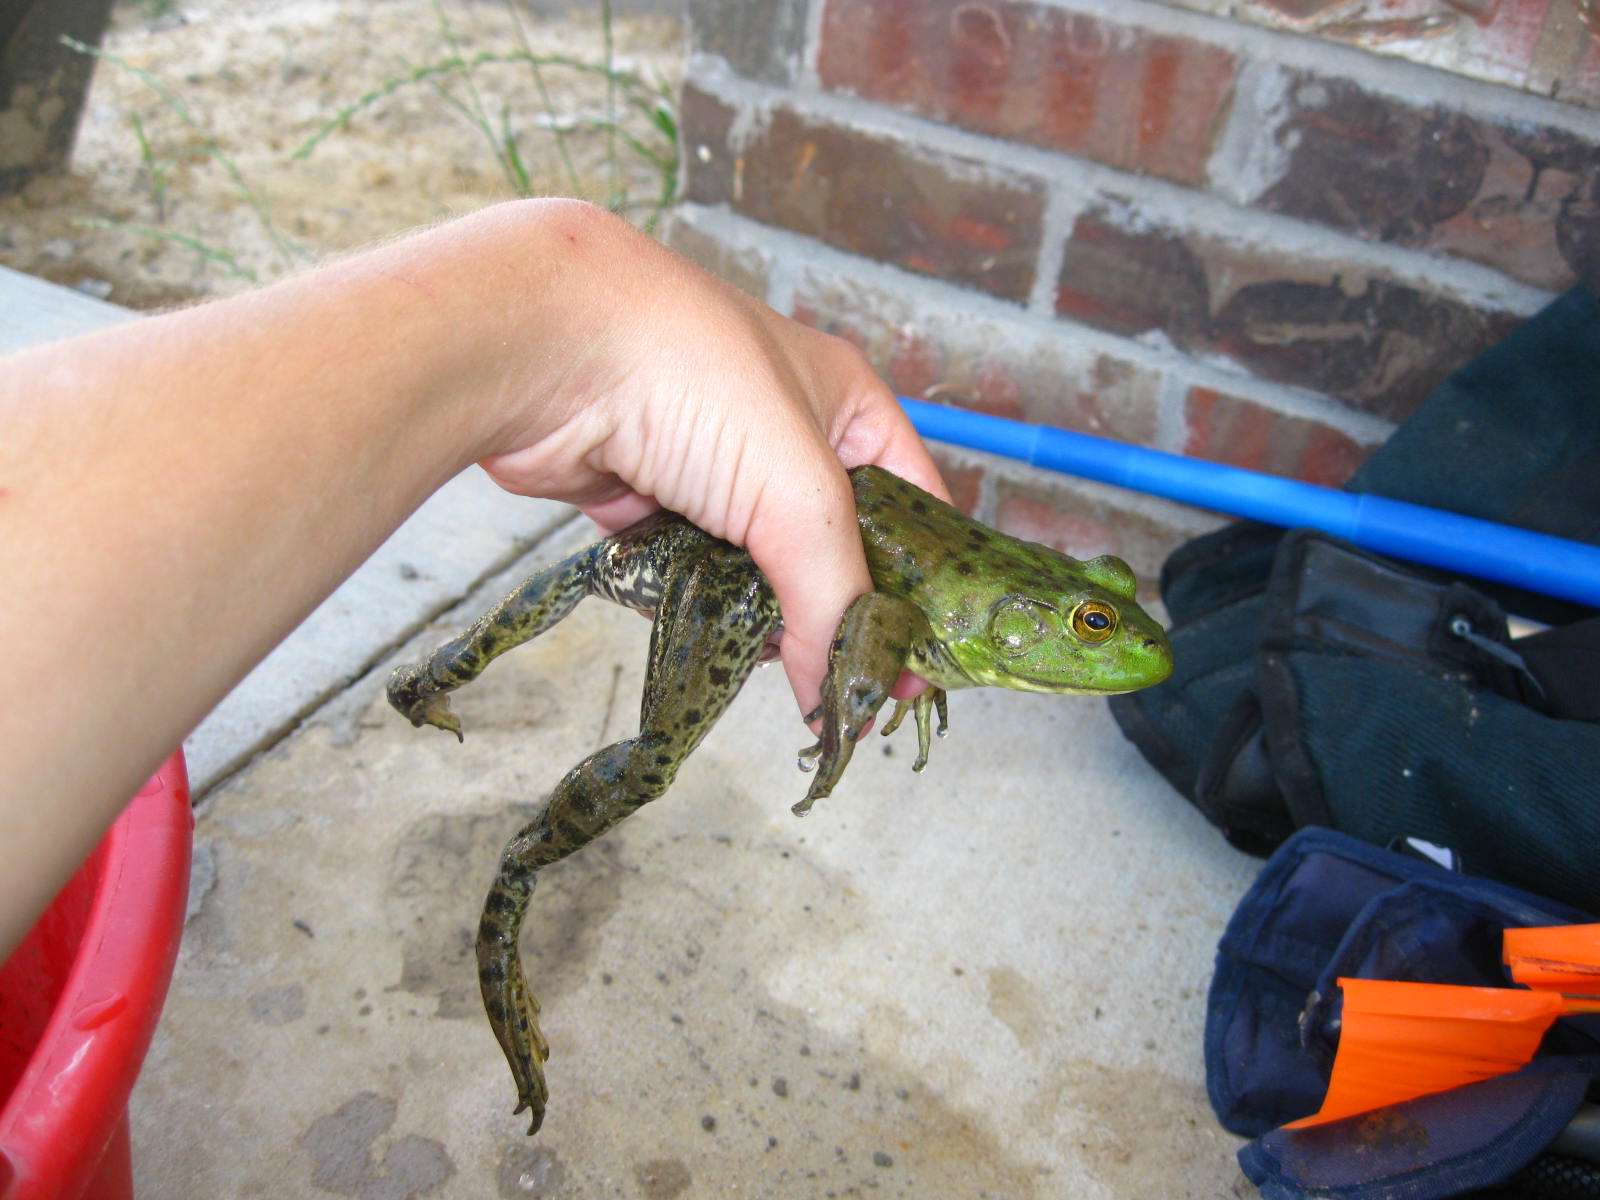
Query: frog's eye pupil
column 1094, row 621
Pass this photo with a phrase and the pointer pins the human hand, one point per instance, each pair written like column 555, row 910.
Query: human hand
column 688, row 394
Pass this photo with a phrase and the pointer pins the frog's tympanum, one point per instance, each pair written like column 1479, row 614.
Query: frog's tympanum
column 954, row 602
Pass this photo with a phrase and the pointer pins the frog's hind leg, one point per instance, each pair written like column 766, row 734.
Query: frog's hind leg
column 421, row 690
column 714, row 619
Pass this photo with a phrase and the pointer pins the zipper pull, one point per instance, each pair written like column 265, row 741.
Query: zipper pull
column 1462, row 628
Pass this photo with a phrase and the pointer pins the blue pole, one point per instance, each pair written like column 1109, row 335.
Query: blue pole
column 1465, row 545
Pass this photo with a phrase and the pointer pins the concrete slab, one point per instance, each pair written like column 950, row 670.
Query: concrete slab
column 986, row 980
column 34, row 311
column 466, row 531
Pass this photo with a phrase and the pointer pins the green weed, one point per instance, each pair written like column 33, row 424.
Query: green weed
column 639, row 119
column 638, row 114
column 290, row 251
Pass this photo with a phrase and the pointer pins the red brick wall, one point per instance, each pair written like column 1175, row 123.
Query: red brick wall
column 1234, row 239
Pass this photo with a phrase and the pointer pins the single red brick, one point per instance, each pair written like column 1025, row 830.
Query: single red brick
column 709, row 165
column 1379, row 343
column 1242, row 433
column 964, row 391
column 1035, row 73
column 1500, row 193
column 1002, row 386
column 916, row 364
column 879, row 197
column 1131, row 280
column 1330, row 457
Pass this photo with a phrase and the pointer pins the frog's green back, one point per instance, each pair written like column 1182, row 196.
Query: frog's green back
column 1006, row 612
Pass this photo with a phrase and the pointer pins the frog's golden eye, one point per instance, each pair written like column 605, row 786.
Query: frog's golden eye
column 1094, row 621
column 1017, row 626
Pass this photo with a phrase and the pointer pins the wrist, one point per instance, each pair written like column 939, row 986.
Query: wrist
column 530, row 291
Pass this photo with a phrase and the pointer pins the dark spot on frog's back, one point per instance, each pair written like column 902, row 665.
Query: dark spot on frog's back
column 719, row 676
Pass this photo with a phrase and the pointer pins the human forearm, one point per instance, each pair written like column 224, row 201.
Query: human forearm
column 176, row 494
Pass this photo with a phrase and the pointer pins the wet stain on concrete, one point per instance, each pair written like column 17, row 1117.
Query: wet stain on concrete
column 442, row 868
column 278, row 1005
column 1018, row 1004
column 530, row 1171
column 663, row 1178
column 340, row 1146
column 1134, row 1123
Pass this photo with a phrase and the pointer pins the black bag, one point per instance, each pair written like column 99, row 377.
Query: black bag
column 1317, row 684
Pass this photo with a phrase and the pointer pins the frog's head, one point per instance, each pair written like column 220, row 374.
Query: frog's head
column 1083, row 631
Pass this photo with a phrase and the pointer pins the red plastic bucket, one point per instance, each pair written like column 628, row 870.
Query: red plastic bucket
column 79, row 1001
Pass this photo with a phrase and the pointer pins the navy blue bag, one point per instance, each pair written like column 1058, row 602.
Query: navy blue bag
column 1327, row 905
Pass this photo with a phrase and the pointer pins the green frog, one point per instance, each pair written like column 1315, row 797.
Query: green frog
column 957, row 603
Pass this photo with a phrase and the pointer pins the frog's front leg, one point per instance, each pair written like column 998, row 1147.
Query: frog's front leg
column 869, row 650
column 421, row 691
column 714, row 620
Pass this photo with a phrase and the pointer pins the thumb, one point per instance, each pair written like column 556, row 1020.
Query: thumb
column 809, row 548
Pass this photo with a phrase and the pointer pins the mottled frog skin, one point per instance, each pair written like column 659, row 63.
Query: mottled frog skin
column 959, row 604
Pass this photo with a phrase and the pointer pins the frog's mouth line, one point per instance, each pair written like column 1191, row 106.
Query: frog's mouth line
column 1023, row 683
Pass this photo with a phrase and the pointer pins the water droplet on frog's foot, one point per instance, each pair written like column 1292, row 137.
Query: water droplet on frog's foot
column 807, row 765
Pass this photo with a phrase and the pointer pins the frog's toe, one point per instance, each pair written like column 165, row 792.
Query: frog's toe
column 413, row 696
column 532, row 1093
column 526, row 1051
column 435, row 711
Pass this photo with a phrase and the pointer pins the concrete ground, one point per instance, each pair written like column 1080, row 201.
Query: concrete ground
column 987, row 980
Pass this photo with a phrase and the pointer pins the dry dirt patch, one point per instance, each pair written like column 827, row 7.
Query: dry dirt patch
column 258, row 78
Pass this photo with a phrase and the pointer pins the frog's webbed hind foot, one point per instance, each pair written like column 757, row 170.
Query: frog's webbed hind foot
column 411, row 692
column 421, row 691
column 514, row 1016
